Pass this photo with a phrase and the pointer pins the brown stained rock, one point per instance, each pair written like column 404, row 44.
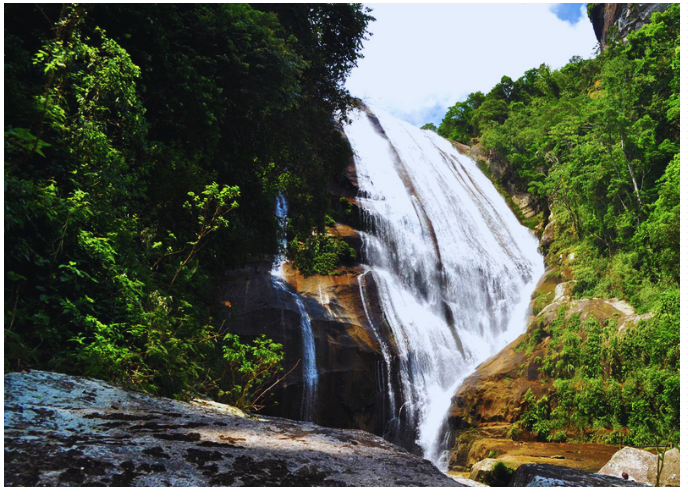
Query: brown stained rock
column 494, row 392
column 347, row 354
column 491, row 398
column 54, row 436
column 582, row 456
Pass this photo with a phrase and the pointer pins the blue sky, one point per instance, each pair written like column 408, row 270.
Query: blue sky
column 423, row 58
column 570, row 12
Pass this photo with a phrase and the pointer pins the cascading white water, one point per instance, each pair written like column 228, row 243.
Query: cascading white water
column 385, row 350
column 309, row 368
column 453, row 267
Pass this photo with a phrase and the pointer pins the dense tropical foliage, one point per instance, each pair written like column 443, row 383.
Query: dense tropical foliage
column 144, row 148
column 596, row 143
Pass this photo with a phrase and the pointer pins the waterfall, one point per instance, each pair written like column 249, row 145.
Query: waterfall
column 309, row 368
column 453, row 267
column 386, row 378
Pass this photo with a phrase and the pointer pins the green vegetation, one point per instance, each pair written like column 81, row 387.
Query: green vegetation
column 320, row 254
column 597, row 145
column 249, row 371
column 610, row 386
column 144, row 148
column 500, row 475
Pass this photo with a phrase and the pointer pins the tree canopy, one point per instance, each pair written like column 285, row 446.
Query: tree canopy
column 145, row 145
column 597, row 144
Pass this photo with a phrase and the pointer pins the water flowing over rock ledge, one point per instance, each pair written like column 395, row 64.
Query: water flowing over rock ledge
column 63, row 430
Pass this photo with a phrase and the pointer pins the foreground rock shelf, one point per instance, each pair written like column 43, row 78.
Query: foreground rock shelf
column 63, row 430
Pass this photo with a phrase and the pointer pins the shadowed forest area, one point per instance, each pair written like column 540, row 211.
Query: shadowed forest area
column 145, row 146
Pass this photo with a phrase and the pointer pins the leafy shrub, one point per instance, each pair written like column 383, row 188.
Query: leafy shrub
column 249, row 371
column 557, row 437
column 319, row 254
column 514, row 433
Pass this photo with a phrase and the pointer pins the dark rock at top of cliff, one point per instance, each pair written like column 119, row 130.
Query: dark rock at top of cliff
column 626, row 17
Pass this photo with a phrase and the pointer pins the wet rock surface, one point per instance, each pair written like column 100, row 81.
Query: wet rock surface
column 536, row 475
column 348, row 357
column 590, row 457
column 63, row 430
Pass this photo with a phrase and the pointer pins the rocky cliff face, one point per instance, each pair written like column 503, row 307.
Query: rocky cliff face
column 348, row 357
column 350, row 389
column 491, row 399
column 63, row 430
column 620, row 18
column 524, row 205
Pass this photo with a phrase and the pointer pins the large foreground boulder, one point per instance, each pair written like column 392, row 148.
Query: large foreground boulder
column 643, row 466
column 541, row 475
column 63, row 430
column 481, row 470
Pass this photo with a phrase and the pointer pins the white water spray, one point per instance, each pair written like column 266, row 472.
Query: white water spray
column 453, row 267
column 309, row 368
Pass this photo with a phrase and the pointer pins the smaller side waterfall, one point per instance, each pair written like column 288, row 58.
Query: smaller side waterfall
column 309, row 367
column 392, row 424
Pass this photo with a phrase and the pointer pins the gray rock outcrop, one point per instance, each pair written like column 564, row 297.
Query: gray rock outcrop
column 481, row 470
column 625, row 17
column 63, row 430
column 542, row 475
column 643, row 466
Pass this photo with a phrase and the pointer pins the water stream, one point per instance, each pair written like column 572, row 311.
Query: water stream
column 309, row 367
column 453, row 267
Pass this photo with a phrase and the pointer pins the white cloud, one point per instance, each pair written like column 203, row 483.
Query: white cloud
column 422, row 58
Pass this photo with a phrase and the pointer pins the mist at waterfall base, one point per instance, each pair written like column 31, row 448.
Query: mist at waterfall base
column 453, row 267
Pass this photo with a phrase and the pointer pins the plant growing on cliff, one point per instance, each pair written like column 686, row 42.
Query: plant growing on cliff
column 319, row 254
column 210, row 209
column 249, row 371
column 514, row 433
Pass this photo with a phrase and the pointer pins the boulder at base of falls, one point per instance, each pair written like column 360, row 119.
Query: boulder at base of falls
column 64, row 430
column 642, row 466
column 481, row 470
column 539, row 475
